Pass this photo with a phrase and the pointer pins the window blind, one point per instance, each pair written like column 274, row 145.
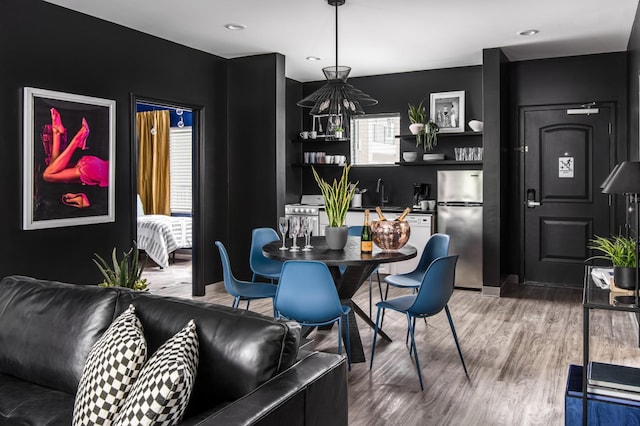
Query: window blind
column 373, row 139
column 180, row 163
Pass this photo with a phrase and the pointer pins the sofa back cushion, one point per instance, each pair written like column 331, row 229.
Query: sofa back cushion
column 47, row 329
column 239, row 350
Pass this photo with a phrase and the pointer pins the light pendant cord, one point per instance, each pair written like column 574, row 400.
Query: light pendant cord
column 336, row 6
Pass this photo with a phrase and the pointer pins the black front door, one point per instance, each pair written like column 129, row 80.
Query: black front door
column 567, row 156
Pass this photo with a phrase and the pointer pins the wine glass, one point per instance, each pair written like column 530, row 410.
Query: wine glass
column 307, row 233
column 283, row 225
column 294, row 229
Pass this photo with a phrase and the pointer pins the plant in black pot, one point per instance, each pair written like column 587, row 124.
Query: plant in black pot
column 621, row 252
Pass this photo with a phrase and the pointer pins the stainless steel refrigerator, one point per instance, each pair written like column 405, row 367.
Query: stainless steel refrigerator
column 460, row 216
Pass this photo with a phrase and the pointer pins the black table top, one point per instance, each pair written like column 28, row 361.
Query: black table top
column 350, row 256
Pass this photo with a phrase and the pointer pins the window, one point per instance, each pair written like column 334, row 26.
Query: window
column 373, row 139
column 180, row 169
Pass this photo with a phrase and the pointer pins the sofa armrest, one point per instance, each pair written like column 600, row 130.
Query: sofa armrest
column 312, row 391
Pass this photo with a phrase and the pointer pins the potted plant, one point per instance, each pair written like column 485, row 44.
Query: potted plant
column 430, row 138
column 417, row 116
column 337, row 197
column 127, row 273
column 621, row 252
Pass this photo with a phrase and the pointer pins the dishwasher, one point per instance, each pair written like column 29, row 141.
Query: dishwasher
column 421, row 230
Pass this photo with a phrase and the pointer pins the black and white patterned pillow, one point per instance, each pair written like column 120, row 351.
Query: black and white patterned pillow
column 162, row 391
column 112, row 367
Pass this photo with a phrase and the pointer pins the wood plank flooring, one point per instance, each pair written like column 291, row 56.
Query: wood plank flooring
column 517, row 348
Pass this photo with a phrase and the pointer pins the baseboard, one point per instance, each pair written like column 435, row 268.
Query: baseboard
column 497, row 291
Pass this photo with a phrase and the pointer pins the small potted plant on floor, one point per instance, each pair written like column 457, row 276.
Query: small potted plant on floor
column 337, row 197
column 126, row 273
column 621, row 252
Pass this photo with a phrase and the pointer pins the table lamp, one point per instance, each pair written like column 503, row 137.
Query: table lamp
column 625, row 179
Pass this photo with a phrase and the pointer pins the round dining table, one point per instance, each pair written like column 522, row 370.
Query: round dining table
column 358, row 268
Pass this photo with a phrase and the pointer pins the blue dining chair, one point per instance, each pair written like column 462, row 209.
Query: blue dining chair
column 356, row 231
column 437, row 246
column 262, row 266
column 432, row 297
column 307, row 294
column 242, row 290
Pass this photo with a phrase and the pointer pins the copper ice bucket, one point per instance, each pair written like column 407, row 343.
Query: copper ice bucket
column 390, row 235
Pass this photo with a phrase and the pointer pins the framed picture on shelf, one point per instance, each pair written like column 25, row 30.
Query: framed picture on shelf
column 68, row 159
column 447, row 111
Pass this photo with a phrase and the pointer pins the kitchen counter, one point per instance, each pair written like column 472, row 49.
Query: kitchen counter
column 390, row 209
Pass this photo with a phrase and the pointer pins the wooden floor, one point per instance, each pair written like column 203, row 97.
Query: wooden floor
column 517, row 348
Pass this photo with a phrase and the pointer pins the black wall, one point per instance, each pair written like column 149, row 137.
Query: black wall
column 633, row 62
column 394, row 92
column 49, row 47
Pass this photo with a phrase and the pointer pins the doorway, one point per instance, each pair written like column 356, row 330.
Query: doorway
column 567, row 155
column 167, row 138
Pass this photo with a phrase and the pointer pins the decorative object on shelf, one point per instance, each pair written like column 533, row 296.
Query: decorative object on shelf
column 469, row 153
column 621, row 252
column 127, row 273
column 625, row 179
column 476, row 125
column 409, row 156
column 339, row 132
column 430, row 140
column 447, row 111
column 337, row 198
column 417, row 116
column 337, row 98
column 432, row 157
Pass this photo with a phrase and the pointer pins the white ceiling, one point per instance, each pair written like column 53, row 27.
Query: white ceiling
column 377, row 36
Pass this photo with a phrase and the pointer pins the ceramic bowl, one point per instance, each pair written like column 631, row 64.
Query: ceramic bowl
column 476, row 125
column 409, row 156
column 390, row 235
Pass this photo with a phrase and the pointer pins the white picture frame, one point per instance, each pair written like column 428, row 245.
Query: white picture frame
column 447, row 111
column 80, row 188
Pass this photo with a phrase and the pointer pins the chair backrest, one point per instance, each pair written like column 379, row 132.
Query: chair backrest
column 228, row 278
column 437, row 246
column 306, row 292
column 260, row 237
column 355, row 231
column 436, row 288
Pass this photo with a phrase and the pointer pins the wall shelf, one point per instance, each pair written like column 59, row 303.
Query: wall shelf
column 317, row 165
column 320, row 139
column 437, row 162
column 443, row 135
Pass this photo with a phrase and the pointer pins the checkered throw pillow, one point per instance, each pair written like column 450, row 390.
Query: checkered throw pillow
column 112, row 367
column 161, row 393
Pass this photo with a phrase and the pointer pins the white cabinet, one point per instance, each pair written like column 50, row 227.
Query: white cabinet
column 421, row 230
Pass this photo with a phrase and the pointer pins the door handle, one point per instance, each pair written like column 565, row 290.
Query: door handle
column 531, row 199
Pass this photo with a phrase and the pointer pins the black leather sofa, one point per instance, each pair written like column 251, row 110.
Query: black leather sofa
column 250, row 369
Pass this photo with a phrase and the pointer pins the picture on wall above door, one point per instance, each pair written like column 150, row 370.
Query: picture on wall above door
column 69, row 159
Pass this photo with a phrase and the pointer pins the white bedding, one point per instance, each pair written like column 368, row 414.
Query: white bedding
column 160, row 235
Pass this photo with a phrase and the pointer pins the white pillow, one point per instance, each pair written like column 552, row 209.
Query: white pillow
column 161, row 394
column 140, row 206
column 112, row 367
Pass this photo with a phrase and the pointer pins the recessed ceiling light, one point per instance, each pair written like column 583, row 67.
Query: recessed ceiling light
column 235, row 27
column 313, row 58
column 528, row 32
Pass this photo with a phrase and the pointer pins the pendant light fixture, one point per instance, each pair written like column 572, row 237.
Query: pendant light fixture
column 337, row 99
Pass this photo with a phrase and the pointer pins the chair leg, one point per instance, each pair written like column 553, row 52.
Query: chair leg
column 415, row 349
column 455, row 337
column 236, row 301
column 348, row 342
column 375, row 335
column 370, row 298
column 406, row 340
column 386, row 295
column 379, row 284
column 248, row 301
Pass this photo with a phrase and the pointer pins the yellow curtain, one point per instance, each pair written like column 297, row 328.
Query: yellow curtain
column 153, row 161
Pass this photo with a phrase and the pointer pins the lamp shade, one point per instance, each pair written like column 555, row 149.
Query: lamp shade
column 623, row 179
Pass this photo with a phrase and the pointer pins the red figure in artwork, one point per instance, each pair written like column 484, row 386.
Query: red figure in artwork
column 78, row 200
column 89, row 170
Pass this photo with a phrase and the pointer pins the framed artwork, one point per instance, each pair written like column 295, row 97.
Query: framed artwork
column 68, row 159
column 447, row 111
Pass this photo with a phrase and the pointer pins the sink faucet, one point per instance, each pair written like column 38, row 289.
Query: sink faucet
column 380, row 190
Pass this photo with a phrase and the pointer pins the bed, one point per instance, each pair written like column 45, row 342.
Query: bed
column 160, row 235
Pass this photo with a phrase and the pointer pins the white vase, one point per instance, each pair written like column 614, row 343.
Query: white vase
column 416, row 128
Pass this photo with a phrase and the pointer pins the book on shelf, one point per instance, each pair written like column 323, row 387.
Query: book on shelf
column 617, row 377
column 614, row 393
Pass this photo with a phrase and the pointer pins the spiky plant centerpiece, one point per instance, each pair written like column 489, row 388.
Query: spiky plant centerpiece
column 337, row 196
column 125, row 273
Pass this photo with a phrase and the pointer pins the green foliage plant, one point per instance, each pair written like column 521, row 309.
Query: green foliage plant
column 337, row 196
column 417, row 113
column 126, row 273
column 621, row 251
column 430, row 133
